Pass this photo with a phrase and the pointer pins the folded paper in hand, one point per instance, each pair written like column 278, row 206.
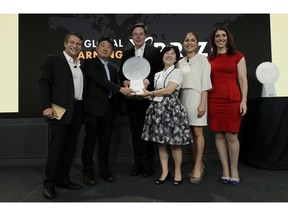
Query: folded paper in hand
column 59, row 110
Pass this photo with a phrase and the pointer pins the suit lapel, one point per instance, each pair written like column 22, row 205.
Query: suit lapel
column 131, row 52
column 146, row 51
column 67, row 67
column 102, row 67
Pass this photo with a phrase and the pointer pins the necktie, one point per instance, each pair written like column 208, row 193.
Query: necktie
column 107, row 70
column 108, row 75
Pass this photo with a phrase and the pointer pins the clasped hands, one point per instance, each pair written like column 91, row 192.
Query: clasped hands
column 126, row 91
column 132, row 94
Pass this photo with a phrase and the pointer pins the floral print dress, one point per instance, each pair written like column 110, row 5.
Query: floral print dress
column 166, row 121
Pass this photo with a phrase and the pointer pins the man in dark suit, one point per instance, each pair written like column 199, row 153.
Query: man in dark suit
column 136, row 108
column 61, row 83
column 101, row 88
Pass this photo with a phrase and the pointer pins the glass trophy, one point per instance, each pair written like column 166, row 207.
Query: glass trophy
column 136, row 69
column 267, row 73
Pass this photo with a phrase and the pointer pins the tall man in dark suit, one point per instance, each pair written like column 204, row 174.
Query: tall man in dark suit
column 136, row 108
column 102, row 86
column 61, row 83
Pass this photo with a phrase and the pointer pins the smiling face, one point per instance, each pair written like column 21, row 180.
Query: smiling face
column 138, row 36
column 190, row 43
column 220, row 40
column 104, row 50
column 73, row 46
column 169, row 58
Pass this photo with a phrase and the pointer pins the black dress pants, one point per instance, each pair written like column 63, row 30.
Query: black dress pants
column 97, row 129
column 62, row 147
column 143, row 150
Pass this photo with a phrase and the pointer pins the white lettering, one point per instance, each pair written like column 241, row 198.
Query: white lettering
column 202, row 46
column 90, row 43
column 159, row 44
column 87, row 43
column 93, row 43
column 119, row 44
column 149, row 40
column 179, row 45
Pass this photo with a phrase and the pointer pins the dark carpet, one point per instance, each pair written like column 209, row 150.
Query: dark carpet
column 24, row 184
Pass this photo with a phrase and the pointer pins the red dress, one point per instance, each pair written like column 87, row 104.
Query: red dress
column 225, row 97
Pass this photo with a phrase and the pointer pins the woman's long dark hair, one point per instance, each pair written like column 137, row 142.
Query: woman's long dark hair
column 231, row 47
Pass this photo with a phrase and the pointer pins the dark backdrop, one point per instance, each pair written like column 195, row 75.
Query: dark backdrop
column 42, row 34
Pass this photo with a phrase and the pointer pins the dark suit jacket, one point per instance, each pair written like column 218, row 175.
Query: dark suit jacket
column 153, row 55
column 98, row 86
column 56, row 86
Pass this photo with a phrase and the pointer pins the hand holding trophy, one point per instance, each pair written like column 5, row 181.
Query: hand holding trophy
column 136, row 69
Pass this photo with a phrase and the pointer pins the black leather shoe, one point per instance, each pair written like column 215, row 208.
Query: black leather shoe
column 147, row 172
column 68, row 185
column 107, row 176
column 136, row 171
column 89, row 180
column 49, row 193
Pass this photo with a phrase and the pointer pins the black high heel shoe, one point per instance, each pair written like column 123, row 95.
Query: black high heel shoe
column 159, row 181
column 176, row 183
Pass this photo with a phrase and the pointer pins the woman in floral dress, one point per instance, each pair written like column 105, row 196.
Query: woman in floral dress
column 166, row 121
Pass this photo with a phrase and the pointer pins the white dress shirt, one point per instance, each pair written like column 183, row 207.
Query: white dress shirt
column 77, row 76
column 140, row 52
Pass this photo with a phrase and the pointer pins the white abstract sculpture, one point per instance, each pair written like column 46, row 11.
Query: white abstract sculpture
column 267, row 73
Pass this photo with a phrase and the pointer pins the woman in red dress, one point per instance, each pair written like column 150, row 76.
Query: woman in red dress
column 227, row 100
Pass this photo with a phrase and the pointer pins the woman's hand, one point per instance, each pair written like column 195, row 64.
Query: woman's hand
column 243, row 108
column 146, row 94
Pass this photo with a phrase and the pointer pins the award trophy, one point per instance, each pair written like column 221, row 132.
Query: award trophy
column 136, row 69
column 267, row 73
